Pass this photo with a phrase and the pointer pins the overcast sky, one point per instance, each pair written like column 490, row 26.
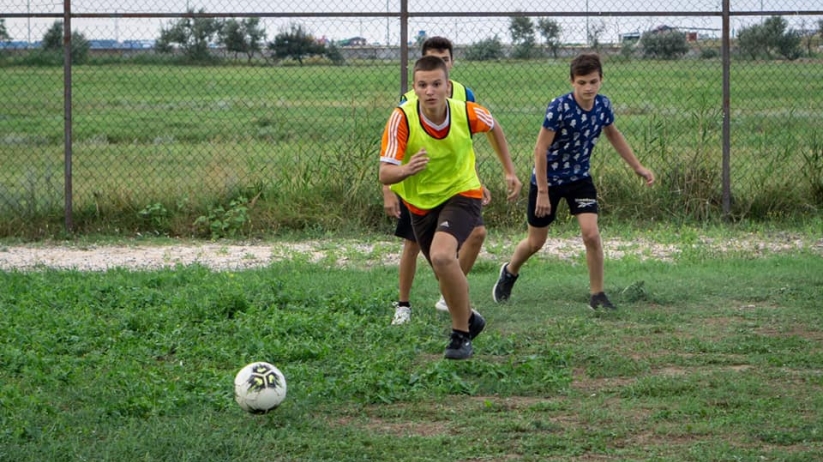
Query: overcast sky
column 462, row 30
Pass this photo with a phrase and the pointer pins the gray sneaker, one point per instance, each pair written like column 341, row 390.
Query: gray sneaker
column 476, row 325
column 600, row 300
column 502, row 289
column 460, row 347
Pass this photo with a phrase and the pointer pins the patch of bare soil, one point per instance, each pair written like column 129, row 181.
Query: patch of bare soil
column 236, row 256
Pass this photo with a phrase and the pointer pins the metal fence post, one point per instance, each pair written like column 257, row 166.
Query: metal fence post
column 726, row 133
column 67, row 103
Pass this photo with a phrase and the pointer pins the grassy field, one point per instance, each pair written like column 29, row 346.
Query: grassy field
column 194, row 139
column 715, row 354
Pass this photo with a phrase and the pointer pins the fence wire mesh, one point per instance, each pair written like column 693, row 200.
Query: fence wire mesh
column 208, row 117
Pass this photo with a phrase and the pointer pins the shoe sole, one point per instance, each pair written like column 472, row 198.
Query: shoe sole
column 441, row 307
column 598, row 307
column 480, row 325
column 494, row 289
column 447, row 356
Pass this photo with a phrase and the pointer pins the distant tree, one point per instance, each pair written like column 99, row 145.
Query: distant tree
column 769, row 39
column 192, row 35
column 485, row 50
column 4, row 35
column 53, row 43
column 806, row 37
column 668, row 44
column 752, row 41
column 246, row 36
column 334, row 54
column 550, row 31
column 521, row 29
column 593, row 34
column 296, row 43
column 782, row 40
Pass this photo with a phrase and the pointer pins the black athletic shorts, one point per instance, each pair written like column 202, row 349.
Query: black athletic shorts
column 580, row 195
column 404, row 226
column 457, row 216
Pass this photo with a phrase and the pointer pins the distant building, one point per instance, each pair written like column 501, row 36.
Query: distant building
column 353, row 42
column 138, row 44
column 630, row 37
column 663, row 29
column 106, row 44
column 19, row 45
column 691, row 35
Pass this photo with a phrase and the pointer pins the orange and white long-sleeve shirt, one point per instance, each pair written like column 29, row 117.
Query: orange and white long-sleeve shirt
column 451, row 168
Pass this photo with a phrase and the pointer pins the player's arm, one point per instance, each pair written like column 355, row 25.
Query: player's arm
column 544, row 139
column 393, row 168
column 618, row 141
column 393, row 173
column 497, row 140
column 487, row 195
column 391, row 205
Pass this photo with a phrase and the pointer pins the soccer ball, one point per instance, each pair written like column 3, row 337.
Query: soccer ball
column 259, row 387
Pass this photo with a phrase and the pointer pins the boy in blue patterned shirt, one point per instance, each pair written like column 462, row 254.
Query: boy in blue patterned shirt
column 571, row 127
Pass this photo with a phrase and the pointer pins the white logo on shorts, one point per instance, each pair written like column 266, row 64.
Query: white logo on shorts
column 583, row 203
column 445, row 224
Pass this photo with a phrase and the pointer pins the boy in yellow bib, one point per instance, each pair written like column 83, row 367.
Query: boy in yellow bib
column 394, row 207
column 428, row 159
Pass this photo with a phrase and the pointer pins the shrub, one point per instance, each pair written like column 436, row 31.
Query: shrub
column 664, row 44
column 53, row 44
column 485, row 50
column 770, row 38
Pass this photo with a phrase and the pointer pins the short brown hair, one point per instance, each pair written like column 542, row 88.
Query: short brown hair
column 585, row 64
column 430, row 63
column 439, row 44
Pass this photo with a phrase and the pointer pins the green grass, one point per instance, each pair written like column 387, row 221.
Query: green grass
column 306, row 139
column 713, row 355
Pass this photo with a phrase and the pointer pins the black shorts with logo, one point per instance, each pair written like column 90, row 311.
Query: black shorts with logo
column 404, row 226
column 457, row 216
column 580, row 195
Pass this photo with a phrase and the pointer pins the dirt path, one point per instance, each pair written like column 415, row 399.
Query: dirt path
column 234, row 256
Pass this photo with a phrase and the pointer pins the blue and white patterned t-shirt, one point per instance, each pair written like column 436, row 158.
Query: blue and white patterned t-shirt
column 576, row 133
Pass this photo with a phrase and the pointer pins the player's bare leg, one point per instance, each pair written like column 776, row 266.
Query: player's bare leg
column 509, row 271
column 408, row 268
column 467, row 256
column 470, row 249
column 529, row 246
column 453, row 283
column 594, row 250
column 594, row 260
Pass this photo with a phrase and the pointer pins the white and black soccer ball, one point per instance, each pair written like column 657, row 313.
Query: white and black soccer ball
column 259, row 387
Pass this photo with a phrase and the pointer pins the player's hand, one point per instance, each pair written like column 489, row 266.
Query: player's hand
column 391, row 205
column 646, row 174
column 513, row 186
column 487, row 196
column 543, row 207
column 417, row 163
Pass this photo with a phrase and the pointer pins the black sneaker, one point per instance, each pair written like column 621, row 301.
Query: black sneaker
column 460, row 347
column 476, row 325
column 502, row 289
column 600, row 300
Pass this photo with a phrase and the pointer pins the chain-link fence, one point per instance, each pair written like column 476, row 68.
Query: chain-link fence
column 216, row 117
